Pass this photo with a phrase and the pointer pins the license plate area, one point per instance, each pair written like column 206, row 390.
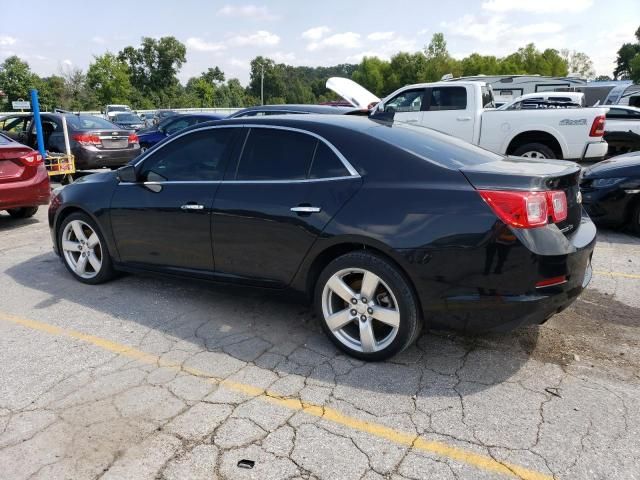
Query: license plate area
column 111, row 143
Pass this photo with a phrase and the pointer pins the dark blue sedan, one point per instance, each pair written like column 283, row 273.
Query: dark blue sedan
column 149, row 137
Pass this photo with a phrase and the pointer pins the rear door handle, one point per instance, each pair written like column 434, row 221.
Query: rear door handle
column 463, row 119
column 192, row 206
column 305, row 209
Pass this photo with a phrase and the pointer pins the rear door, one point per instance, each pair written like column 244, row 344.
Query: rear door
column 164, row 220
column 449, row 110
column 284, row 189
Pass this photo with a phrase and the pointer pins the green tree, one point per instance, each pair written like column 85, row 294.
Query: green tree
column 439, row 62
column 371, row 74
column 108, row 77
column 154, row 66
column 578, row 63
column 51, row 92
column 16, row 79
column 626, row 55
column 275, row 86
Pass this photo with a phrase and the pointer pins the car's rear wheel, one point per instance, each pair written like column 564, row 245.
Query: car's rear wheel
column 366, row 306
column 534, row 150
column 24, row 212
column 84, row 250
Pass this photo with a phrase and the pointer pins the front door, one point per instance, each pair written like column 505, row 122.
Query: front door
column 286, row 187
column 407, row 106
column 164, row 220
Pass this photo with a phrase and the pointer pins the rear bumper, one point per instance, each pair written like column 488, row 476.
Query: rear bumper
column 595, row 151
column 492, row 285
column 27, row 193
column 89, row 157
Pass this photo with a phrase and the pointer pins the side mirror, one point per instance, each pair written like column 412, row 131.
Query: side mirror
column 127, row 174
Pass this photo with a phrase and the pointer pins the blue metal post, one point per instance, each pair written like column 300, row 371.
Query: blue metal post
column 35, row 106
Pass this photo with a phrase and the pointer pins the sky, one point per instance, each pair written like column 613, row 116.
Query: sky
column 229, row 33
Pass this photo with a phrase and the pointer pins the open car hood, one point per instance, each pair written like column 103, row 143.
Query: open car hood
column 355, row 94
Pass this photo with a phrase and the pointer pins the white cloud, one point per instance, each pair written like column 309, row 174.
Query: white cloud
column 378, row 36
column 473, row 27
column 201, row 45
column 6, row 40
column 240, row 64
column 259, row 39
column 423, row 31
column 348, row 40
column 536, row 28
column 67, row 62
column 386, row 50
column 99, row 40
column 247, row 11
column 536, row 6
column 283, row 57
column 316, row 33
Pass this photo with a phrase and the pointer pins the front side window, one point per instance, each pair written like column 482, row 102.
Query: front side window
column 178, row 125
column 448, row 98
column 197, row 156
column 14, row 124
column 407, row 101
column 273, row 154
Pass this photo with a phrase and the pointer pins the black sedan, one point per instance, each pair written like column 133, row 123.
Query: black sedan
column 611, row 191
column 386, row 227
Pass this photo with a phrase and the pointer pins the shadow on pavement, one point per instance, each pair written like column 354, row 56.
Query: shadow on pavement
column 9, row 223
column 274, row 331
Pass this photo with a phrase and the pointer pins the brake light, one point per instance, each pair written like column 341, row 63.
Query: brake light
column 87, row 139
column 526, row 209
column 518, row 209
column 597, row 127
column 30, row 159
column 133, row 138
column 557, row 205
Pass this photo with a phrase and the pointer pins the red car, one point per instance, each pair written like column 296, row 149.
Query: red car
column 24, row 181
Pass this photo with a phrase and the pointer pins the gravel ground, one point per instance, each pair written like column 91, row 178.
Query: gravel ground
column 148, row 377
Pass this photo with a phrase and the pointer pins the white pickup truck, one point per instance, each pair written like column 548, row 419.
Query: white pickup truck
column 465, row 110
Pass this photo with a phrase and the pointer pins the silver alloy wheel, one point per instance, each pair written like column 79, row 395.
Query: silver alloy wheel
column 360, row 310
column 534, row 154
column 82, row 249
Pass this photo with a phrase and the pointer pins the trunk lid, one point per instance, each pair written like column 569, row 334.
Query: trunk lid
column 105, row 139
column 355, row 94
column 512, row 173
column 12, row 169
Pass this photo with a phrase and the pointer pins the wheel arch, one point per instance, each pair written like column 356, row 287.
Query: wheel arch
column 319, row 259
column 68, row 210
column 535, row 136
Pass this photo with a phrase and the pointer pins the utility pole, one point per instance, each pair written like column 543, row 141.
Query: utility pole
column 262, row 84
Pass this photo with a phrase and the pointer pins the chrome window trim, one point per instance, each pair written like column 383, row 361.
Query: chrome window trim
column 352, row 171
column 212, row 182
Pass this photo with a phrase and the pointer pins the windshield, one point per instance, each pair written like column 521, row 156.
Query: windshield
column 117, row 109
column 127, row 117
column 88, row 122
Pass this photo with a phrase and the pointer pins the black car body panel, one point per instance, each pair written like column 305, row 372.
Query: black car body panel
column 412, row 203
column 286, row 109
column 611, row 189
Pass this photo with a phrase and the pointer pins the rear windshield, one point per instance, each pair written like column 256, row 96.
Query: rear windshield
column 127, row 117
column 89, row 122
column 434, row 146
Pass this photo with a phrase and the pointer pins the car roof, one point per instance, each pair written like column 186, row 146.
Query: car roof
column 302, row 108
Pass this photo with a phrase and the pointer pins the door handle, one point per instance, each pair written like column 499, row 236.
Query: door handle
column 413, row 120
column 305, row 209
column 192, row 206
column 463, row 119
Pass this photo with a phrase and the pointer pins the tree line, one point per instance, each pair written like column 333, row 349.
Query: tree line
column 146, row 76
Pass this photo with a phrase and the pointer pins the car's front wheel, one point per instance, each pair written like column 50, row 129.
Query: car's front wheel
column 84, row 250
column 366, row 306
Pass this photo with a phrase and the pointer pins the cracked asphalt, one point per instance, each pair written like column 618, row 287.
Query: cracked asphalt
column 155, row 378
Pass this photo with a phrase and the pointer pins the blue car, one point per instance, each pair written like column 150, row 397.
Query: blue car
column 148, row 137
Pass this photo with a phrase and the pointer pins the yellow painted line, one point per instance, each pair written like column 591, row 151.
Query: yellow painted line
column 617, row 274
column 377, row 430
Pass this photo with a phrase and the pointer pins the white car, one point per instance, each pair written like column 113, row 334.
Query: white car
column 466, row 110
column 530, row 100
column 622, row 130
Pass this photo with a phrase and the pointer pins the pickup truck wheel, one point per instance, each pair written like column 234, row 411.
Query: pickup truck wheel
column 534, row 150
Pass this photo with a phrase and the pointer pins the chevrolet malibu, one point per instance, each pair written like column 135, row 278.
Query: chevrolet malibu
column 386, row 227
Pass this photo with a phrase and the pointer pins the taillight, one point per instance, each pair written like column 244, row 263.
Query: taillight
column 133, row 138
column 557, row 205
column 526, row 209
column 30, row 159
column 87, row 139
column 597, row 127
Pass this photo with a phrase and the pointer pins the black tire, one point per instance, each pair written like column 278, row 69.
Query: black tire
column 541, row 148
column 410, row 323
column 106, row 271
column 635, row 219
column 24, row 212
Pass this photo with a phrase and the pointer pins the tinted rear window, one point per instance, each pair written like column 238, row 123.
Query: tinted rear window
column 439, row 148
column 326, row 164
column 89, row 122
